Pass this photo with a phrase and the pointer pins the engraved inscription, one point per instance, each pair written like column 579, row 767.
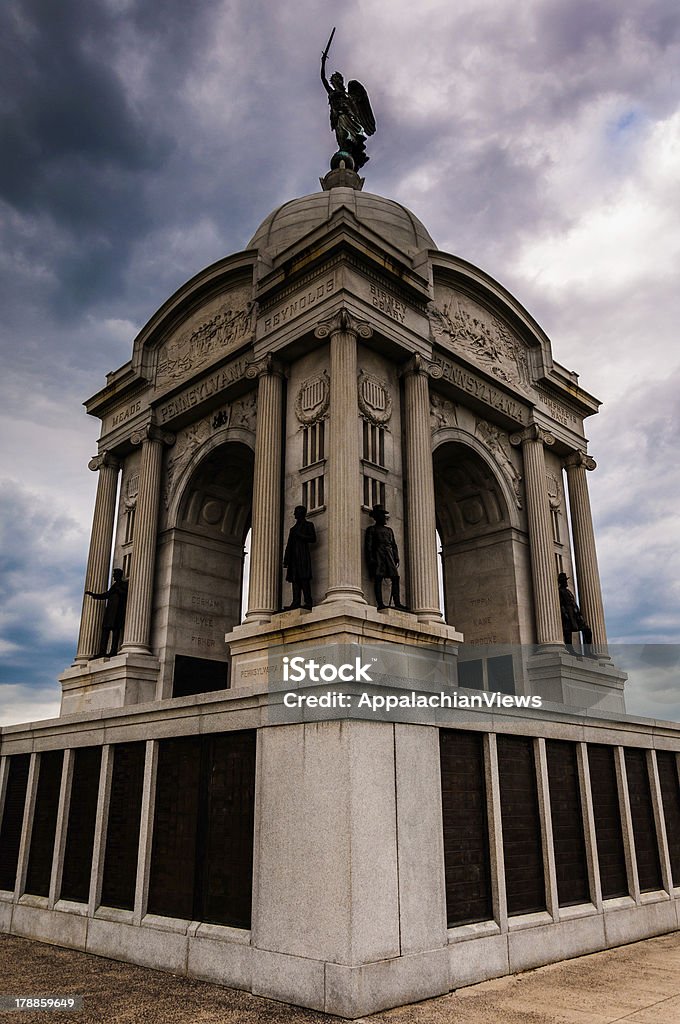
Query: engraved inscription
column 442, row 368
column 207, row 388
column 559, row 412
column 388, row 303
column 298, row 304
column 125, row 414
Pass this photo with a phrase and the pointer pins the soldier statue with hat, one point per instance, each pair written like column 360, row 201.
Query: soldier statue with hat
column 382, row 556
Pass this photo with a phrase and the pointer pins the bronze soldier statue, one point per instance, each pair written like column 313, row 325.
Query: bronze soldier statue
column 114, row 614
column 572, row 618
column 298, row 561
column 382, row 556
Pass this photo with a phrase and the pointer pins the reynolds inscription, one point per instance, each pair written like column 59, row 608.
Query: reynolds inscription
column 298, row 303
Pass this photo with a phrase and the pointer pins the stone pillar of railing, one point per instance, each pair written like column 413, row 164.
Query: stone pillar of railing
column 543, row 567
column 137, row 637
column 344, row 474
column 420, row 503
column 99, row 556
column 585, row 556
column 265, row 544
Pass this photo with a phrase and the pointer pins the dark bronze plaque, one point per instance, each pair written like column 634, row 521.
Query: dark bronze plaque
column 670, row 792
column 202, row 851
column 44, row 823
column 12, row 819
column 567, row 823
column 75, row 881
column 173, row 852
column 607, row 813
column 465, row 823
column 122, row 833
column 522, row 849
column 642, row 813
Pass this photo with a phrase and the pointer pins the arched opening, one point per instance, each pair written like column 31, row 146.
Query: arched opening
column 206, row 559
column 483, row 561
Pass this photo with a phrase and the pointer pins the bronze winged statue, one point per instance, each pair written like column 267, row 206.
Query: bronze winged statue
column 352, row 119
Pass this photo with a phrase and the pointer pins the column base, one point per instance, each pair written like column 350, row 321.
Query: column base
column 558, row 676
column 336, row 594
column 126, row 678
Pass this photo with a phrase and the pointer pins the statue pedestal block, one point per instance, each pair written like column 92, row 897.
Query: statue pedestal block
column 576, row 681
column 109, row 683
column 398, row 644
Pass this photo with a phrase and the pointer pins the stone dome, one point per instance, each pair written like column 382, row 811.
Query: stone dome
column 296, row 218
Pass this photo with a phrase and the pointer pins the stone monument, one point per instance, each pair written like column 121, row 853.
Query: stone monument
column 217, row 807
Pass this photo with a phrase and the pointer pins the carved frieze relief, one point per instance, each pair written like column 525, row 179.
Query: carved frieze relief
column 457, row 320
column 498, row 444
column 208, row 336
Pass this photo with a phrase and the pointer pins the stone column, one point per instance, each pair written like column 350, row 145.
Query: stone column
column 265, row 542
column 420, row 508
column 99, row 557
column 344, row 475
column 585, row 556
column 543, row 570
column 138, row 616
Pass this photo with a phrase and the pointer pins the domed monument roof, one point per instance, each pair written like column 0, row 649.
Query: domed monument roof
column 298, row 217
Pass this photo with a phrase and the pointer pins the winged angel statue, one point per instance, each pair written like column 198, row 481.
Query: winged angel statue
column 352, row 119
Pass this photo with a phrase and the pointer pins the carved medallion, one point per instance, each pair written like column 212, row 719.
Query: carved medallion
column 313, row 399
column 462, row 324
column 375, row 401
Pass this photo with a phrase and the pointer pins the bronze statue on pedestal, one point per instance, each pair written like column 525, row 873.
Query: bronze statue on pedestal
column 382, row 556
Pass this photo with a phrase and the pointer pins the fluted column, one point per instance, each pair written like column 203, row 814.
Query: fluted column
column 420, row 506
column 265, row 542
column 543, row 571
column 585, row 555
column 99, row 556
column 344, row 475
column 138, row 615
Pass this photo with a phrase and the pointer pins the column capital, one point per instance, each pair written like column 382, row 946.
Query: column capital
column 152, row 433
column 267, row 366
column 417, row 365
column 343, row 322
column 104, row 459
column 580, row 459
column 532, row 433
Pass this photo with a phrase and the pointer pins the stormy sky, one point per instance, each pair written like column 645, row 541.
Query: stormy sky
column 143, row 141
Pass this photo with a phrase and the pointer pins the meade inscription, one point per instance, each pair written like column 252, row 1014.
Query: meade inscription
column 297, row 304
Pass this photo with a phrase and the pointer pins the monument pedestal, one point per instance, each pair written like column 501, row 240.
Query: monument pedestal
column 109, row 683
column 577, row 681
column 400, row 646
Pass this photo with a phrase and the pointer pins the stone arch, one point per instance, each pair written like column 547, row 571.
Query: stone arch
column 484, row 552
column 202, row 557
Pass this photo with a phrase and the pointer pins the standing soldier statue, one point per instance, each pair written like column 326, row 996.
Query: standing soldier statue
column 572, row 618
column 298, row 560
column 114, row 614
column 352, row 119
column 382, row 556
